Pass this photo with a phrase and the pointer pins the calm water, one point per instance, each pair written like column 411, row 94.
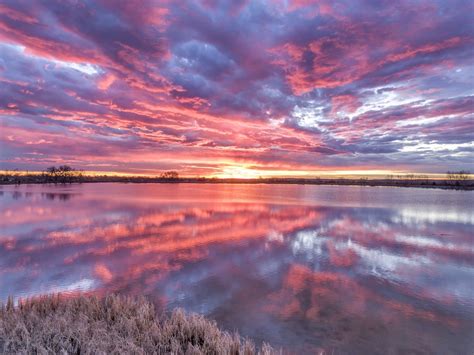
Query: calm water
column 347, row 269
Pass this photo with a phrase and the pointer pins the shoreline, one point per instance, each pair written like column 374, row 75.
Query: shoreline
column 463, row 185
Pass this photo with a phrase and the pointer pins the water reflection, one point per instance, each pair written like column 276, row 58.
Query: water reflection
column 301, row 267
column 16, row 194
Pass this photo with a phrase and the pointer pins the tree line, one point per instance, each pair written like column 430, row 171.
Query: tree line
column 461, row 175
column 62, row 174
column 65, row 174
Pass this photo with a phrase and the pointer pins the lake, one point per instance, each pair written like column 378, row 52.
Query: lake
column 346, row 269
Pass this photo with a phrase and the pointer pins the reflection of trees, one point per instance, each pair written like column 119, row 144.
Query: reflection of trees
column 63, row 196
column 60, row 196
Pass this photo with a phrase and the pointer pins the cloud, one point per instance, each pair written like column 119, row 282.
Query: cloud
column 268, row 84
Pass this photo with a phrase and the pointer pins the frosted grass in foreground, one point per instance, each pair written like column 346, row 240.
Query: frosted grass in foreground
column 113, row 324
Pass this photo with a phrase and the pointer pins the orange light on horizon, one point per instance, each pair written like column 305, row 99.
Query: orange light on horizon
column 250, row 172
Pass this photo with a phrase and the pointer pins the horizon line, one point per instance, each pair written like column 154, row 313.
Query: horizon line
column 302, row 175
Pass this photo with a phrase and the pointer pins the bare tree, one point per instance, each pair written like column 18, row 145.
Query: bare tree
column 170, row 175
column 460, row 175
column 62, row 174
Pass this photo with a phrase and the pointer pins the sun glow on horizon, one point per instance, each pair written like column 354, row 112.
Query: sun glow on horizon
column 251, row 172
column 150, row 90
column 248, row 172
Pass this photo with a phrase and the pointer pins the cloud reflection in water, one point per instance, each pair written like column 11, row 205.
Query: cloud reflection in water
column 298, row 273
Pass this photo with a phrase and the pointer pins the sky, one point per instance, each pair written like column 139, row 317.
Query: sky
column 237, row 88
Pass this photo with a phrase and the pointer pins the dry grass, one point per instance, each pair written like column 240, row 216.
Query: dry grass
column 111, row 325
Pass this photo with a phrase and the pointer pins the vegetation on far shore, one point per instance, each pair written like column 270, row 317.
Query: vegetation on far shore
column 58, row 324
column 64, row 174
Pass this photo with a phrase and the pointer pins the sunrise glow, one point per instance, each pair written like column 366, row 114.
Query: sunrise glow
column 237, row 176
column 242, row 89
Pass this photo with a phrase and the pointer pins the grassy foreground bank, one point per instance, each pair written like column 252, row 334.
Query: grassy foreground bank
column 111, row 325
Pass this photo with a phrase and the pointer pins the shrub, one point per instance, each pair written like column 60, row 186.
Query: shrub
column 111, row 325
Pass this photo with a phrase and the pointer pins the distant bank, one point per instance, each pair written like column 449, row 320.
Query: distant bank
column 465, row 184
